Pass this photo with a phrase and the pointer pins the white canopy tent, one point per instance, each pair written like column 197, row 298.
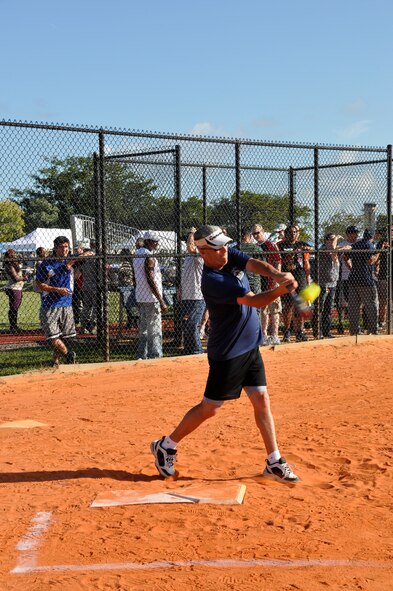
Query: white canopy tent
column 39, row 237
column 167, row 241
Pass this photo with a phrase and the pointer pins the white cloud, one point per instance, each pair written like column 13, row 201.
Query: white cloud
column 347, row 156
column 264, row 122
column 356, row 107
column 354, row 130
column 205, row 128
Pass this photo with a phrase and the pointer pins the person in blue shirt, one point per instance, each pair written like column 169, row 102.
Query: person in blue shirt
column 362, row 286
column 235, row 362
column 55, row 279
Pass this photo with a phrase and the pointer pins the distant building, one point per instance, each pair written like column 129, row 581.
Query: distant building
column 369, row 215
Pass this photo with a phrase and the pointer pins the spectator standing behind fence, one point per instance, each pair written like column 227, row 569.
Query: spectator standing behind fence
column 278, row 234
column 273, row 310
column 77, row 296
column 13, row 289
column 192, row 302
column 341, row 296
column 362, row 285
column 127, row 287
column 204, row 325
column 149, row 298
column 42, row 253
column 329, row 271
column 295, row 260
column 252, row 249
column 88, row 315
column 383, row 275
column 55, row 278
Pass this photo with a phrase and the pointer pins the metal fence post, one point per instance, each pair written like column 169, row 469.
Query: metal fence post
column 237, row 182
column 317, row 311
column 178, row 226
column 389, row 228
column 98, row 239
column 204, row 195
column 104, row 260
column 292, row 195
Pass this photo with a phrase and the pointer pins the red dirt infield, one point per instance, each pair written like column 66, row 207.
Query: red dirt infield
column 332, row 401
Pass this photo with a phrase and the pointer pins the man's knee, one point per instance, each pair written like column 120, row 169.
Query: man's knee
column 210, row 407
column 58, row 345
column 259, row 398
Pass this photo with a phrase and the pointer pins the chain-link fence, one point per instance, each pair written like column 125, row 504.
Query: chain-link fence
column 106, row 191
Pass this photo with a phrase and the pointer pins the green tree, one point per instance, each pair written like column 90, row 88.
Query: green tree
column 12, row 224
column 382, row 222
column 337, row 223
column 130, row 197
column 192, row 213
column 68, row 185
column 162, row 213
column 40, row 213
column 262, row 208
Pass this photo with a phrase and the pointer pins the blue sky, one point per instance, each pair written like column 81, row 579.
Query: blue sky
column 296, row 70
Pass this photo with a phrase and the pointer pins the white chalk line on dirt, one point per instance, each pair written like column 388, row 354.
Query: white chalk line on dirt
column 29, row 543
column 28, row 553
column 221, row 563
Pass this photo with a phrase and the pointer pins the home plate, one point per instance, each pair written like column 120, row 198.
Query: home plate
column 26, row 424
column 216, row 494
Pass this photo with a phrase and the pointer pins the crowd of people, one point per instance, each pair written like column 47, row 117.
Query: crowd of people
column 352, row 272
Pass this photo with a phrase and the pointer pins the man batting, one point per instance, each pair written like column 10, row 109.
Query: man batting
column 235, row 362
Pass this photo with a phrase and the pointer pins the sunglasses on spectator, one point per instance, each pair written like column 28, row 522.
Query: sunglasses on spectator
column 255, row 233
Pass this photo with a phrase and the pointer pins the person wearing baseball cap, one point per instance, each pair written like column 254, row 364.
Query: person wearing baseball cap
column 351, row 231
column 151, row 235
column 211, row 237
column 278, row 233
column 362, row 289
column 235, row 362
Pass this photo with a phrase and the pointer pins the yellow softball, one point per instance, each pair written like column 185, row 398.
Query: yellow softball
column 311, row 292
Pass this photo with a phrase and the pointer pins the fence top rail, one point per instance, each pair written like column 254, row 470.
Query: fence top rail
column 193, row 138
column 128, row 159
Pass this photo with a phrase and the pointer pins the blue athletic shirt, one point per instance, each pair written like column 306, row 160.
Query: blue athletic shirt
column 56, row 274
column 235, row 329
column 361, row 273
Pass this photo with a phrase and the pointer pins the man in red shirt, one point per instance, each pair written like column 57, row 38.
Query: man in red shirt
column 295, row 260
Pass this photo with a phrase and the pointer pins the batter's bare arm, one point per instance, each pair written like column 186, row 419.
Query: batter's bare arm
column 63, row 291
column 263, row 268
column 260, row 300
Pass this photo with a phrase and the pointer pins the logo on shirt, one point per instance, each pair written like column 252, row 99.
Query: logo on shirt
column 238, row 273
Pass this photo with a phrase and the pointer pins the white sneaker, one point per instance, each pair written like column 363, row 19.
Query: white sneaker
column 265, row 341
column 273, row 340
column 280, row 471
column 165, row 458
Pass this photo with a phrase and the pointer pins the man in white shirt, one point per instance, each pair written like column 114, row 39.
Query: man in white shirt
column 192, row 302
column 149, row 298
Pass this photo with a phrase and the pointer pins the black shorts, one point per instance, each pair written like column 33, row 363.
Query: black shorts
column 227, row 378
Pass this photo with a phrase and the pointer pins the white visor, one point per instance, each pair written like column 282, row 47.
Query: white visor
column 211, row 237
